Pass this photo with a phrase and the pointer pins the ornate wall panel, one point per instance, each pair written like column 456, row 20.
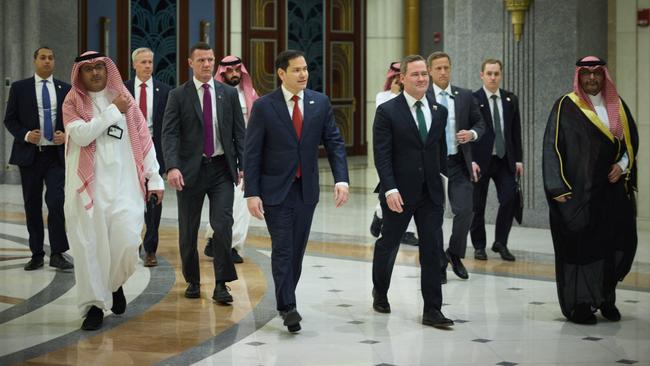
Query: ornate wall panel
column 305, row 33
column 262, row 56
column 153, row 25
column 342, row 12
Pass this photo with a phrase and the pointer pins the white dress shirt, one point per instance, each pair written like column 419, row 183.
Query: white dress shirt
column 38, row 85
column 218, row 149
column 149, row 101
column 242, row 102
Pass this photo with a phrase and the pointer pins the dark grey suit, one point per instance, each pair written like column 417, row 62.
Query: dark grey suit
column 182, row 139
column 459, row 169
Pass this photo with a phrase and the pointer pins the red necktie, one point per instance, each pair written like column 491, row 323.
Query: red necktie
column 297, row 124
column 143, row 100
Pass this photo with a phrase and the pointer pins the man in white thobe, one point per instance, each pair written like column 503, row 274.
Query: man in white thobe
column 109, row 158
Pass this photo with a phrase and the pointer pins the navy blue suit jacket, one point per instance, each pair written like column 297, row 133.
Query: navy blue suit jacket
column 482, row 150
column 160, row 92
column 402, row 160
column 22, row 116
column 273, row 150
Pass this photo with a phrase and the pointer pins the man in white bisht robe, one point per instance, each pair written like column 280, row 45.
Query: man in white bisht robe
column 109, row 158
column 232, row 71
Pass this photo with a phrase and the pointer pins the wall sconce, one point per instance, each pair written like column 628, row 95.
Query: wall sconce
column 204, row 31
column 104, row 35
column 518, row 9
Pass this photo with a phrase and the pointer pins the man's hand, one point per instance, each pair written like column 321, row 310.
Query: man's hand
column 519, row 169
column 341, row 192
column 476, row 172
column 158, row 193
column 59, row 137
column 34, row 137
column 240, row 179
column 395, row 203
column 121, row 102
column 175, row 179
column 464, row 136
column 562, row 199
column 615, row 174
column 255, row 207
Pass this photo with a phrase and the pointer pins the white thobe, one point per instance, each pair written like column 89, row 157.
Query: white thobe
column 104, row 239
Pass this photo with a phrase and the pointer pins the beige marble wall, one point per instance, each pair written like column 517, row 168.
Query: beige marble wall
column 384, row 44
column 632, row 57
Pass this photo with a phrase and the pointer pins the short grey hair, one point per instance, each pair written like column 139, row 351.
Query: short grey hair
column 140, row 50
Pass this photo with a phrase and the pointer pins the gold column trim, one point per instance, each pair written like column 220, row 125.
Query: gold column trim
column 411, row 27
column 518, row 9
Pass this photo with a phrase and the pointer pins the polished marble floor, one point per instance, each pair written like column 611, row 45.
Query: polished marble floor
column 505, row 314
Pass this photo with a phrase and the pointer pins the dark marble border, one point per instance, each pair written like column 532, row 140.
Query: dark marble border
column 263, row 313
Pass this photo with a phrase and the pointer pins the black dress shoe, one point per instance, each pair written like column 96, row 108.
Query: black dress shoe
column 503, row 251
column 58, row 261
column 94, row 319
column 443, row 275
column 208, row 248
column 582, row 314
column 34, row 263
column 193, row 291
column 409, row 239
column 375, row 226
column 434, row 318
column 291, row 319
column 221, row 294
column 457, row 265
column 380, row 302
column 236, row 258
column 119, row 302
column 479, row 254
column 610, row 312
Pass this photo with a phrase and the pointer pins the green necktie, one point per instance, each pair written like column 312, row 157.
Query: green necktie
column 422, row 125
column 499, row 146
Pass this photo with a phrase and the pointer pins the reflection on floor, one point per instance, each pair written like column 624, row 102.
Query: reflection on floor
column 505, row 314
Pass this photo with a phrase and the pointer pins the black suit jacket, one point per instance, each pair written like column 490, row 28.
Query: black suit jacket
column 160, row 92
column 468, row 117
column 402, row 160
column 22, row 116
column 482, row 150
column 273, row 149
column 182, row 133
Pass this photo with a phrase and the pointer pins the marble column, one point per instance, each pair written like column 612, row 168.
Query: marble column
column 26, row 25
column 539, row 68
column 384, row 44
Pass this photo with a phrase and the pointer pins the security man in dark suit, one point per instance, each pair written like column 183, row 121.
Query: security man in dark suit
column 281, row 186
column 499, row 154
column 464, row 125
column 203, row 142
column 410, row 154
column 34, row 118
column 151, row 96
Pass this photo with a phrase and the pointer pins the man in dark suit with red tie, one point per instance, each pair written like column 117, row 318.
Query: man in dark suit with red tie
column 34, row 118
column 410, row 154
column 499, row 154
column 151, row 96
column 284, row 132
column 203, row 142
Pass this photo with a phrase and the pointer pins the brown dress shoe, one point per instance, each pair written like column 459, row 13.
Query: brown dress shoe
column 150, row 260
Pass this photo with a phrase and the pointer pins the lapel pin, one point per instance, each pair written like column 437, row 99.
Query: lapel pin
column 59, row 86
column 311, row 102
column 157, row 89
column 219, row 96
column 456, row 92
column 482, row 105
column 434, row 107
column 508, row 99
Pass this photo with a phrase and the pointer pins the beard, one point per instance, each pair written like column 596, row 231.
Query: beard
column 233, row 81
